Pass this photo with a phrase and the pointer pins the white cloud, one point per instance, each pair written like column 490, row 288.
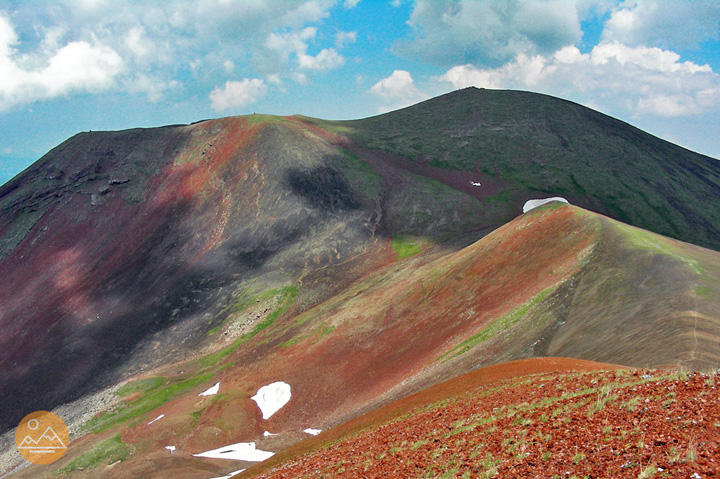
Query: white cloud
column 397, row 90
column 490, row 32
column 144, row 47
column 668, row 105
column 327, row 59
column 638, row 80
column 351, row 3
column 343, row 38
column 154, row 88
column 237, row 94
column 669, row 24
column 76, row 67
column 281, row 47
column 300, row 78
column 137, row 42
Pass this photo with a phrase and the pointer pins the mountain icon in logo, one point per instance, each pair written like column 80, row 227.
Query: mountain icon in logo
column 48, row 443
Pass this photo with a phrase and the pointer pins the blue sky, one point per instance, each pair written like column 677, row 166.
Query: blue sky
column 78, row 65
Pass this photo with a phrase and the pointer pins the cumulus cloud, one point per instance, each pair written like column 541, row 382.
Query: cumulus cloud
column 639, row 80
column 327, row 59
column 237, row 94
column 397, row 90
column 343, row 38
column 491, row 32
column 76, row 67
column 668, row 24
column 282, row 46
column 145, row 48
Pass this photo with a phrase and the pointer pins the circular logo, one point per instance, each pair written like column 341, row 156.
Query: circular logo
column 42, row 437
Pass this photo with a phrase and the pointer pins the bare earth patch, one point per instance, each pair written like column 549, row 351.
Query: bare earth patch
column 619, row 423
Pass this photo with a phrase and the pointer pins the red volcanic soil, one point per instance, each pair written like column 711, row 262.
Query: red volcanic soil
column 530, row 418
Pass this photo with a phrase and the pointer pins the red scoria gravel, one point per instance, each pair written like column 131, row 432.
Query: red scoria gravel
column 611, row 424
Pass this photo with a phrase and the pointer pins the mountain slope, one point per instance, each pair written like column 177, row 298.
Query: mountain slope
column 353, row 260
column 537, row 143
column 542, row 418
column 545, row 283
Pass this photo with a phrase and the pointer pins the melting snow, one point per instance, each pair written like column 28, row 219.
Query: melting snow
column 268, row 433
column 157, row 419
column 271, row 398
column 170, row 448
column 242, row 451
column 532, row 204
column 212, row 391
column 476, row 183
column 314, row 432
column 229, row 475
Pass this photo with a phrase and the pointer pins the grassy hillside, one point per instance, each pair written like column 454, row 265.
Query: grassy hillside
column 539, row 418
column 541, row 144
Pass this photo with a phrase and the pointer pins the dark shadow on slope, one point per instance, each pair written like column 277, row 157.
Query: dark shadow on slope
column 322, row 187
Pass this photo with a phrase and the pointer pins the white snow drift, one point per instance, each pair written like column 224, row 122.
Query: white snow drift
column 212, row 391
column 170, row 448
column 242, row 451
column 157, row 419
column 313, row 432
column 234, row 473
column 271, row 398
column 532, row 204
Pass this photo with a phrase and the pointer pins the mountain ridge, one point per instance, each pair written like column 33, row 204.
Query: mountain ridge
column 382, row 255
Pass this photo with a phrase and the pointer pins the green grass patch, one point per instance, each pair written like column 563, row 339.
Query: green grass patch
column 337, row 127
column 497, row 326
column 703, row 291
column 286, row 297
column 360, row 174
column 406, row 246
column 326, row 330
column 258, row 118
column 288, row 294
column 292, row 341
column 141, row 385
column 105, row 452
column 144, row 404
column 653, row 242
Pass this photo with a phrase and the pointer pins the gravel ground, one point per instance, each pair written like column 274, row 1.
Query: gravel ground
column 608, row 424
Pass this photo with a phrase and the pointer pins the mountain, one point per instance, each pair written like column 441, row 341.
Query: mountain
column 557, row 281
column 357, row 262
column 537, row 143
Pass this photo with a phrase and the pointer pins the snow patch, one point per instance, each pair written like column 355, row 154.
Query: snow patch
column 271, row 398
column 313, row 432
column 212, row 391
column 235, row 473
column 532, row 204
column 242, row 451
column 476, row 183
column 157, row 419
column 268, row 434
column 170, row 448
